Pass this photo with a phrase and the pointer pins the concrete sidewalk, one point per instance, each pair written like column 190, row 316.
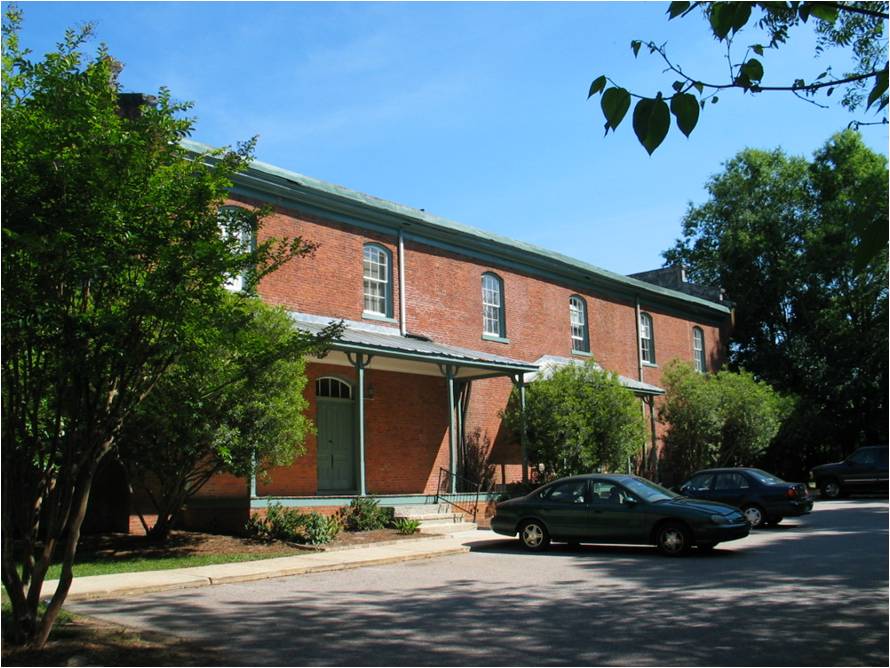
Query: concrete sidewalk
column 130, row 584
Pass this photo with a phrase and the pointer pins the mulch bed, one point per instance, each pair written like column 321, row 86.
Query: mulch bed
column 193, row 543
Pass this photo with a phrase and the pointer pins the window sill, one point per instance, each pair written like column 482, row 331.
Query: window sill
column 367, row 315
column 582, row 353
column 650, row 365
column 496, row 339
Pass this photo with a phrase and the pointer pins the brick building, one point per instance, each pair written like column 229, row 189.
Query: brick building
column 441, row 322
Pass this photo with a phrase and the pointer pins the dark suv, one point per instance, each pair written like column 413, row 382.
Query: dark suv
column 863, row 471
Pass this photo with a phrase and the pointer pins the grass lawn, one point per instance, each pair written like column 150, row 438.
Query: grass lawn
column 136, row 564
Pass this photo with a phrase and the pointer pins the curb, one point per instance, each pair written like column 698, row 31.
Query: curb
column 201, row 580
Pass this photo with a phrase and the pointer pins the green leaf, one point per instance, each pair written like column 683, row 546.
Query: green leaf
column 699, row 86
column 758, row 49
column 879, row 89
column 721, row 19
column 752, row 70
column 598, row 84
column 651, row 121
column 677, row 8
column 823, row 11
column 715, row 100
column 635, row 46
column 677, row 86
column 615, row 103
column 741, row 14
column 684, row 107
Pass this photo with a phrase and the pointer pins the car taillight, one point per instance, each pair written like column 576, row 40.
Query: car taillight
column 792, row 492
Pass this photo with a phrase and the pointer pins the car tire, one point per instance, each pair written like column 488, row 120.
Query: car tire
column 673, row 539
column 774, row 521
column 706, row 547
column 533, row 535
column 755, row 515
column 831, row 489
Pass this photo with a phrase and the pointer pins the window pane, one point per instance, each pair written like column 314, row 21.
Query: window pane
column 376, row 280
column 491, row 305
column 647, row 346
column 578, row 318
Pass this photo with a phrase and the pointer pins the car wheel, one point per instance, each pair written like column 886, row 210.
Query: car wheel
column 774, row 521
column 831, row 489
column 672, row 539
column 533, row 535
column 754, row 515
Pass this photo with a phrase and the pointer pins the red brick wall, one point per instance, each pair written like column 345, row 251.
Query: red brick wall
column 406, row 423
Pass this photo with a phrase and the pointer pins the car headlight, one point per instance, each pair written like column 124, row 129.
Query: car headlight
column 719, row 519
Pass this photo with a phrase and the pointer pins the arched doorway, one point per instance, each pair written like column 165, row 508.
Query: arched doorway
column 335, row 419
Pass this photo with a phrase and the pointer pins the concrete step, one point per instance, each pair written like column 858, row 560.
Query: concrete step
column 423, row 510
column 447, row 528
column 431, row 519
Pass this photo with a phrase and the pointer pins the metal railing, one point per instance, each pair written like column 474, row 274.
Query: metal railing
column 465, row 498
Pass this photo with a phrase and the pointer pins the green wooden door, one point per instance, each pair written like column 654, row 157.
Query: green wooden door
column 336, row 446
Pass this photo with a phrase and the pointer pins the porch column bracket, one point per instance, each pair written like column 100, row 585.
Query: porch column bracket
column 360, row 361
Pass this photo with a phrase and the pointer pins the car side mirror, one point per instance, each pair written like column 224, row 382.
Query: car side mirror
column 684, row 490
column 628, row 501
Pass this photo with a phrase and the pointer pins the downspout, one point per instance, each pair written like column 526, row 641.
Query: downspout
column 403, row 325
column 639, row 342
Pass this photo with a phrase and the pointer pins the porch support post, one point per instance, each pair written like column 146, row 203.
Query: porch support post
column 522, row 436
column 253, row 475
column 360, row 361
column 652, row 427
column 449, row 371
column 519, row 382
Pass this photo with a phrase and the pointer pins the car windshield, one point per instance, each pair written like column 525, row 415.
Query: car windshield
column 648, row 491
column 765, row 478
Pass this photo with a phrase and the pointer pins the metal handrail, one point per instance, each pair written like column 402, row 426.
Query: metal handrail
column 456, row 499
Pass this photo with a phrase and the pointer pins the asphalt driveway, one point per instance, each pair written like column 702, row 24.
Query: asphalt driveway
column 813, row 591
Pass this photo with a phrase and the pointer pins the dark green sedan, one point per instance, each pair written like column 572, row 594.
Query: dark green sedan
column 600, row 508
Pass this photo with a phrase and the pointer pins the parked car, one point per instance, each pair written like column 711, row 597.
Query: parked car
column 761, row 496
column 863, row 471
column 601, row 508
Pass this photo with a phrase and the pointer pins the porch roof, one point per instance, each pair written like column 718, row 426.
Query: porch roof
column 408, row 354
column 549, row 363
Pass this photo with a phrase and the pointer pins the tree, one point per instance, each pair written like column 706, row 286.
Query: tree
column 722, row 419
column 777, row 233
column 113, row 266
column 577, row 420
column 855, row 26
column 234, row 404
column 856, row 29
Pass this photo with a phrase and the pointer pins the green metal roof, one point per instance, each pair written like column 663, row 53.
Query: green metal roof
column 305, row 188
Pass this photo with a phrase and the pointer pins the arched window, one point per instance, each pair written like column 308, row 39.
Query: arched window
column 332, row 388
column 493, row 322
column 236, row 224
column 377, row 281
column 698, row 349
column 647, row 338
column 578, row 320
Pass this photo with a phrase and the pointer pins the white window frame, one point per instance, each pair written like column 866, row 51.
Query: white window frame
column 377, row 281
column 493, row 321
column 236, row 283
column 647, row 339
column 698, row 350
column 578, row 324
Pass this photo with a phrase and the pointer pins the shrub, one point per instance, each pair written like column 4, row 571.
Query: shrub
column 365, row 514
column 407, row 526
column 279, row 523
column 319, row 529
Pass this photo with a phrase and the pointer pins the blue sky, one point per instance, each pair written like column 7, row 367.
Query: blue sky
column 474, row 112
